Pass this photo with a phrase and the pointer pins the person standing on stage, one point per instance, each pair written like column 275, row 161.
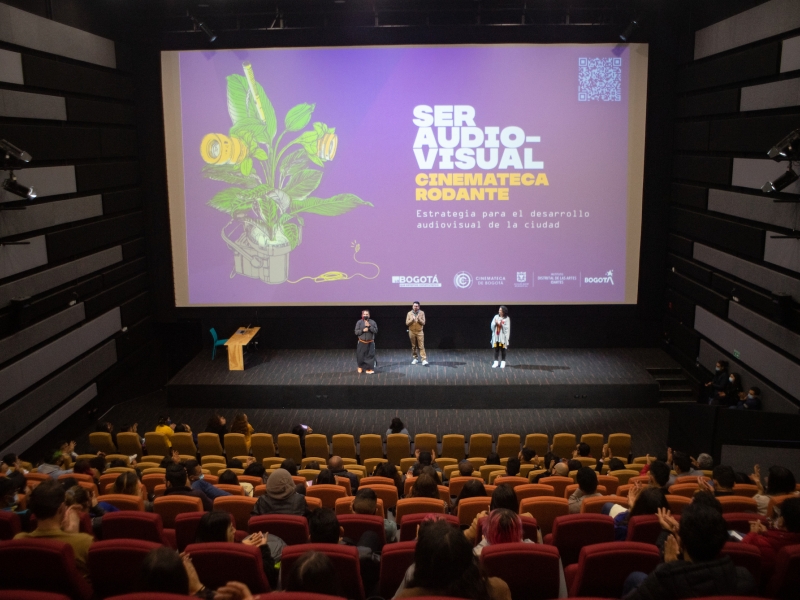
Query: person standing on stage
column 366, row 330
column 501, row 333
column 415, row 321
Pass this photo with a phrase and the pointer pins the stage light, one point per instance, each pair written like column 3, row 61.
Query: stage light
column 629, row 30
column 785, row 180
column 11, row 151
column 205, row 28
column 13, row 187
column 787, row 149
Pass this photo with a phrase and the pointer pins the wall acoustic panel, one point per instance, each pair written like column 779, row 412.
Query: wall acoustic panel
column 763, row 21
column 754, row 208
column 689, row 195
column 752, row 63
column 41, row 216
column 16, row 259
column 56, row 75
column 790, row 55
column 771, row 399
column 751, row 134
column 11, row 67
column 51, row 278
column 740, row 238
column 784, row 252
column 713, row 103
column 44, row 398
column 39, row 364
column 51, row 142
column 46, row 181
column 709, row 169
column 30, row 31
column 777, row 94
column 94, row 111
column 777, row 335
column 779, row 369
column 763, row 277
column 23, row 340
column 22, row 105
column 84, row 238
column 755, row 172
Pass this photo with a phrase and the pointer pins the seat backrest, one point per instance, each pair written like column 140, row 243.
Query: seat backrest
column 31, row 595
column 516, row 564
column 395, row 560
column 345, row 561
column 370, row 445
column 114, row 565
column 289, row 447
column 644, row 528
column 531, row 490
column 678, row 503
column 453, row 446
column 345, row 483
column 408, row 528
column 408, row 506
column 486, row 470
column 328, row 494
column 603, row 568
column 151, row 480
column 186, row 528
column 775, row 502
column 741, row 521
column 45, row 565
column 545, row 509
column 170, row 506
column 123, row 501
column 737, row 504
column 231, row 488
column 387, row 493
column 209, row 444
column 468, row 508
column 573, row 532
column 262, row 445
column 221, row 562
column 624, row 475
column 610, row 482
column 620, row 444
column 370, row 464
column 102, row 442
column 344, row 445
column 133, row 525
column 456, row 483
column 480, row 445
column 292, row 529
column 745, row 489
column 744, row 555
column 10, row 525
column 398, row 446
column 424, row 442
column 373, row 480
column 564, row 444
column 239, row 506
column 317, row 445
column 508, row 445
column 356, row 525
column 235, row 445
column 683, row 489
column 785, row 579
column 595, row 441
column 512, row 481
column 184, row 443
column 157, row 443
column 595, row 505
column 570, row 489
column 558, row 482
column 539, row 442
column 129, row 443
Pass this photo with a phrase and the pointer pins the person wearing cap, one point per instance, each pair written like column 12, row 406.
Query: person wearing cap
column 281, row 497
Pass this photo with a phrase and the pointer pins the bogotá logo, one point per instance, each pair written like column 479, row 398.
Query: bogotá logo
column 609, row 278
column 462, row 280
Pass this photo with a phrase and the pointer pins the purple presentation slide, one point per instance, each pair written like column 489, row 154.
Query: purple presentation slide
column 467, row 174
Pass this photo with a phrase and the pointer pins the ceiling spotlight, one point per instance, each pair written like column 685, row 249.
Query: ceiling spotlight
column 629, row 30
column 785, row 180
column 12, row 186
column 204, row 27
column 787, row 149
column 11, row 151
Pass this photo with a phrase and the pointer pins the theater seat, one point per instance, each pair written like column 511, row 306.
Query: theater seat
column 545, row 510
column 186, row 528
column 395, row 560
column 677, row 503
column 744, row 555
column 114, row 565
column 292, row 529
column 785, row 579
column 559, row 484
column 602, row 568
column 134, row 525
column 469, row 508
column 530, row 570
column 239, row 506
column 123, row 501
column 408, row 506
column 327, row 494
column 31, row 595
column 644, row 528
column 171, row 506
column 43, row 565
column 595, row 505
column 741, row 521
column 573, row 532
column 530, row 528
column 356, row 525
column 345, row 561
column 221, row 562
column 386, row 492
column 408, row 528
column 10, row 525
column 531, row 490
column 737, row 504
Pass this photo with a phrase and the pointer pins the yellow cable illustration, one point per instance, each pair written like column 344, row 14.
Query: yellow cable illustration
column 338, row 275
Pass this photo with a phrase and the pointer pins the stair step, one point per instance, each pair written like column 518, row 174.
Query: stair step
column 688, row 393
column 676, row 401
column 671, row 377
column 664, row 370
column 674, row 386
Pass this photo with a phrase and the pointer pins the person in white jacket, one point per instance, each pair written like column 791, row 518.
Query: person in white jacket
column 501, row 333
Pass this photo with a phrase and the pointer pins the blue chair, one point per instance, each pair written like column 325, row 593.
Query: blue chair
column 217, row 342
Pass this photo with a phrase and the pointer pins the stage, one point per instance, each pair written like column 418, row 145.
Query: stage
column 533, row 378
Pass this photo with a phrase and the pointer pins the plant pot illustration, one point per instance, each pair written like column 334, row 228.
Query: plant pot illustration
column 268, row 262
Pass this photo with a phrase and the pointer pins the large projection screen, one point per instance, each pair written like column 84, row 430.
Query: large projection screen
column 380, row 175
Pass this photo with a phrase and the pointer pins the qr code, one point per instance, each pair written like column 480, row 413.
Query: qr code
column 600, row 79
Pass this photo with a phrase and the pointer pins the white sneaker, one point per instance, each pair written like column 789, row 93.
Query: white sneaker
column 494, row 364
column 503, row 365
column 415, row 361
column 424, row 363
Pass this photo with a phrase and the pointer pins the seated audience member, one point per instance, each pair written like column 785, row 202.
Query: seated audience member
column 15, row 471
column 217, row 526
column 184, row 428
column 641, row 501
column 177, row 486
column 389, row 471
column 118, row 462
column 444, row 565
column 9, row 501
column 326, row 477
column 750, row 402
column 426, row 487
column 587, row 488
column 704, row 462
column 128, row 484
column 433, row 473
column 526, row 456
column 216, row 424
column 290, row 466
column 172, row 458
column 54, row 521
column 164, row 570
column 702, row 534
column 503, row 496
column 718, row 380
column 366, row 503
column 614, row 464
column 512, row 467
column 166, row 427
column 502, row 526
column 473, row 488
column 780, row 481
column 240, row 424
column 724, row 478
column 729, row 396
column 314, row 573
column 301, row 431
column 396, row 426
column 493, row 458
column 281, row 497
column 235, row 463
column 58, row 465
column 228, row 477
column 785, row 532
column 424, row 459
column 336, row 465
column 313, row 465
column 257, row 470
column 465, row 469
column 659, row 476
column 682, row 464
column 197, row 481
column 573, row 465
column 82, row 467
column 98, row 464
column 583, row 450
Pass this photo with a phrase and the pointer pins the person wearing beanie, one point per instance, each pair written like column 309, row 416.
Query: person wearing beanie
column 281, row 497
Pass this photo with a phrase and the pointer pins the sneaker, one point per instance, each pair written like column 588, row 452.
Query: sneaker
column 415, row 361
column 359, row 369
column 494, row 364
column 424, row 363
column 370, row 372
column 503, row 365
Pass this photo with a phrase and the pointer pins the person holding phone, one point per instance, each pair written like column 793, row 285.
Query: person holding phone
column 501, row 334
column 366, row 330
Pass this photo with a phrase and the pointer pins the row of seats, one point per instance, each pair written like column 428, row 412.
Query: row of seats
column 398, row 445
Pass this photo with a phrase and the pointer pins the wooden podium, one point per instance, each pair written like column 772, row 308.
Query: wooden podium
column 235, row 343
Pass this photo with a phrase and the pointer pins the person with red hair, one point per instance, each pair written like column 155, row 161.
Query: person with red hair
column 502, row 526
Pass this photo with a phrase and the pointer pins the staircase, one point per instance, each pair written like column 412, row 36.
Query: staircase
column 674, row 385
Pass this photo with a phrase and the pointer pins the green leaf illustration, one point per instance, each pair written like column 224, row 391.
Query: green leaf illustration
column 237, row 97
column 250, row 127
column 298, row 117
column 316, row 159
column 270, row 120
column 302, row 184
column 328, row 207
column 269, row 210
column 292, row 233
column 259, row 154
column 294, row 163
column 230, row 174
column 247, row 166
column 229, row 201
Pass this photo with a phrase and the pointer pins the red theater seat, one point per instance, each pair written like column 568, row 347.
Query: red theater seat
column 134, row 525
column 573, row 532
column 292, row 529
column 345, row 561
column 221, row 562
column 786, row 577
column 644, row 528
column 744, row 555
column 395, row 560
column 408, row 528
column 530, row 529
column 530, row 570
column 741, row 521
column 356, row 525
column 30, row 595
column 10, row 525
column 602, row 568
column 114, row 565
column 43, row 565
column 186, row 528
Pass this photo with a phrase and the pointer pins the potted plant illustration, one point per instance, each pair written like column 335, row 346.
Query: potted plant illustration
column 271, row 176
